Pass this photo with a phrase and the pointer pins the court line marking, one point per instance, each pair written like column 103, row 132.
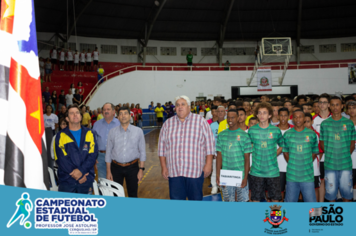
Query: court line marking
column 145, row 175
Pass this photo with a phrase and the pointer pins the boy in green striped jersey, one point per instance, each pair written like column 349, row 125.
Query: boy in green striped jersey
column 300, row 148
column 337, row 140
column 264, row 170
column 233, row 153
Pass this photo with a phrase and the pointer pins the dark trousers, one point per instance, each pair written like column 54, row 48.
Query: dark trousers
column 129, row 173
column 84, row 188
column 182, row 187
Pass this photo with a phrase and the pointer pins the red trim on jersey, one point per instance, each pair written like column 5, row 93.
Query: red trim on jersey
column 316, row 115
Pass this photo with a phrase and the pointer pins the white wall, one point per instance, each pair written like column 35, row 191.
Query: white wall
column 201, row 44
column 162, row 86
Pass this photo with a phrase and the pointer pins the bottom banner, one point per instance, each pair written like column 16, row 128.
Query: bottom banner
column 35, row 212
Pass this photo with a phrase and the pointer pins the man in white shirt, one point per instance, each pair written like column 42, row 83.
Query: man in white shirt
column 76, row 61
column 53, row 56
column 69, row 98
column 216, row 102
column 95, row 56
column 82, row 60
column 88, row 60
column 69, row 56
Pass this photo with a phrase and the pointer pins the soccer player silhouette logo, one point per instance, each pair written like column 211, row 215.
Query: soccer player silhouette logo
column 24, row 208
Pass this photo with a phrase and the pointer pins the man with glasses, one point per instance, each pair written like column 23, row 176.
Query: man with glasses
column 317, row 120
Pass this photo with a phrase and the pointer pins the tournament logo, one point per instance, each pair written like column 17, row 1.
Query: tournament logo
column 270, row 135
column 238, row 138
column 264, row 81
column 344, row 127
column 24, row 208
column 307, row 138
column 276, row 217
column 85, row 148
column 58, row 213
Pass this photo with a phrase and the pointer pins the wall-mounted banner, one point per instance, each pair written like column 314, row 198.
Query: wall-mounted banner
column 264, row 79
column 352, row 73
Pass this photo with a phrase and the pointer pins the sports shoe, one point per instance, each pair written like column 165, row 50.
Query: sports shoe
column 214, row 190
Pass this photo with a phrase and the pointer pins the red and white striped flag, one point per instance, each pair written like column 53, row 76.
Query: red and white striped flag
column 23, row 160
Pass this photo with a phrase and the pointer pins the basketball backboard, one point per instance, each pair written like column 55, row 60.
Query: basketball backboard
column 276, row 46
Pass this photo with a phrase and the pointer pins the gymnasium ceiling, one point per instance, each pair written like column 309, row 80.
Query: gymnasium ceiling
column 198, row 20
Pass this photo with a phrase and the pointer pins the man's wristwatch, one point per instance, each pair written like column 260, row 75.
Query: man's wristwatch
column 142, row 168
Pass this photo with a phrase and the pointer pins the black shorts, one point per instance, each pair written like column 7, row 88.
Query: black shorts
column 61, row 63
column 95, row 62
column 159, row 119
column 82, row 63
column 88, row 63
column 322, row 170
column 354, row 176
column 54, row 61
column 283, row 180
column 76, row 64
column 190, row 63
column 258, row 185
column 70, row 63
column 316, row 181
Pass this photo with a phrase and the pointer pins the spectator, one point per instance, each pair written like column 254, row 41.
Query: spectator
column 54, row 99
column 89, row 111
column 81, row 90
column 159, row 112
column 100, row 115
column 189, row 58
column 76, row 60
column 101, row 130
column 126, row 153
column 94, row 118
column 86, row 117
column 47, row 95
column 50, row 119
column 82, row 60
column 95, row 56
column 44, row 103
column 75, row 159
column 50, row 102
column 42, row 68
column 134, row 111
column 61, row 59
column 62, row 125
column 53, row 56
column 62, row 113
column 69, row 98
column 139, row 115
column 151, row 107
column 100, row 73
column 77, row 99
column 227, row 65
column 69, row 56
column 186, row 164
column 88, row 60
column 61, row 100
column 72, row 88
column 171, row 109
column 48, row 69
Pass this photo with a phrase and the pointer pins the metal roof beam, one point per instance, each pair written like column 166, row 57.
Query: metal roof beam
column 77, row 18
column 223, row 27
column 148, row 34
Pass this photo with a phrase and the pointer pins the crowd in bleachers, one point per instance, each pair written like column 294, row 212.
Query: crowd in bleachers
column 67, row 60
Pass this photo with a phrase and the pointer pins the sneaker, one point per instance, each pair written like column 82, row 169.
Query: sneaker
column 214, row 190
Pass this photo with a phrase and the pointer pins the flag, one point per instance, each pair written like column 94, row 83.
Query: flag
column 23, row 159
column 315, row 212
column 264, row 79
